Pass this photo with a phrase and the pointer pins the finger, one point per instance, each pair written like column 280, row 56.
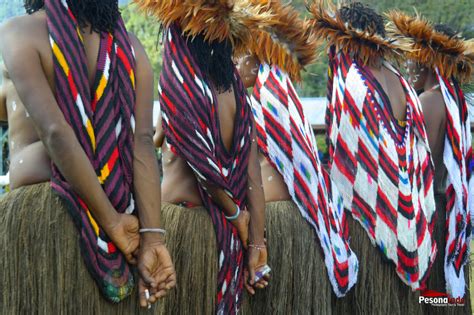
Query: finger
column 249, row 288
column 130, row 259
column 142, row 294
column 171, row 282
column 147, row 277
column 252, row 275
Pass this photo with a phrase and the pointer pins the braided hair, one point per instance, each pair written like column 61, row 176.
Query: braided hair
column 100, row 15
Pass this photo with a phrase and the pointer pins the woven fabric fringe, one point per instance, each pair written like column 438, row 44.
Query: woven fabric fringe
column 299, row 282
column 41, row 267
column 191, row 241
column 380, row 291
column 437, row 280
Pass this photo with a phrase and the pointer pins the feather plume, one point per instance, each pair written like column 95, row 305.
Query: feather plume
column 453, row 56
column 217, row 20
column 289, row 44
column 326, row 23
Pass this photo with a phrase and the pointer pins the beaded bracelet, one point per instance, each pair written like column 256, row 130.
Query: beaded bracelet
column 258, row 247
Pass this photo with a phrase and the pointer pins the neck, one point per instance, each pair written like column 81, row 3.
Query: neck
column 431, row 81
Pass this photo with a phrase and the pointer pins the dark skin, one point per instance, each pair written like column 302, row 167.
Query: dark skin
column 180, row 184
column 30, row 66
column 274, row 186
column 424, row 79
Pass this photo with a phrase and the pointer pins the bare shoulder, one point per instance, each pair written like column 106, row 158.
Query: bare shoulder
column 141, row 57
column 433, row 106
column 23, row 30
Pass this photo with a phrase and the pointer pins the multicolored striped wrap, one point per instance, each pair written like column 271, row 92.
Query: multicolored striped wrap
column 287, row 140
column 102, row 119
column 383, row 170
column 457, row 156
column 191, row 124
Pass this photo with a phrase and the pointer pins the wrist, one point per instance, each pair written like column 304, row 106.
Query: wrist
column 152, row 239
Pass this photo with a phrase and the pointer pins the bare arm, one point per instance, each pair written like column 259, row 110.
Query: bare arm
column 146, row 175
column 255, row 195
column 154, row 262
column 434, row 113
column 159, row 136
column 3, row 103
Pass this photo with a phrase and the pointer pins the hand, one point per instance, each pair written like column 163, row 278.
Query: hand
column 157, row 274
column 124, row 234
column 257, row 259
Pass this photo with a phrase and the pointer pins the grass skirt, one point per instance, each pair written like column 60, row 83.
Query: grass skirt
column 299, row 282
column 41, row 267
column 191, row 240
column 379, row 290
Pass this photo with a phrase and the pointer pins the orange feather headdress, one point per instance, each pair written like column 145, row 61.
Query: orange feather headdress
column 453, row 56
column 326, row 23
column 288, row 43
column 216, row 20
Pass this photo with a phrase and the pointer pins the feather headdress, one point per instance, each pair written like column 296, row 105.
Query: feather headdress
column 289, row 44
column 452, row 55
column 326, row 23
column 216, row 20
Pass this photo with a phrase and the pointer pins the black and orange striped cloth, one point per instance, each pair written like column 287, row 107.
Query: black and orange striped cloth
column 102, row 119
column 191, row 124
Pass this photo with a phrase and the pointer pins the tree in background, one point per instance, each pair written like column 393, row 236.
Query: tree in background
column 147, row 31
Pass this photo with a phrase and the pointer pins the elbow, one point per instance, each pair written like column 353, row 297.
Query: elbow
column 55, row 137
column 145, row 139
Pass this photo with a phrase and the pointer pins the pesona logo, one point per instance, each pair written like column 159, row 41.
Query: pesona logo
column 436, row 298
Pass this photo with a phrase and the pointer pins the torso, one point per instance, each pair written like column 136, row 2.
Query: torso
column 274, row 186
column 179, row 182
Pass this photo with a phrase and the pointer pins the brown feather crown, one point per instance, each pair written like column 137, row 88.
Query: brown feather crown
column 327, row 23
column 453, row 56
column 216, row 20
column 288, row 44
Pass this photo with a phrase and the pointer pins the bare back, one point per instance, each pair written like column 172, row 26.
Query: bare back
column 392, row 86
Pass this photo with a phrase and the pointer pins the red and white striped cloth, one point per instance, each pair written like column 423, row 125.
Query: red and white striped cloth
column 285, row 137
column 457, row 156
column 382, row 169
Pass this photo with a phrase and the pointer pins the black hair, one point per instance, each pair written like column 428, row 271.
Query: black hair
column 214, row 60
column 101, row 15
column 446, row 30
column 362, row 17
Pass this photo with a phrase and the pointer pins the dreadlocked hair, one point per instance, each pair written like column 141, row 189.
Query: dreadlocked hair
column 362, row 17
column 446, row 30
column 101, row 16
column 32, row 6
column 214, row 60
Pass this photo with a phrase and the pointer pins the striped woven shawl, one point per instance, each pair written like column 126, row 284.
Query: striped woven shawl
column 102, row 119
column 383, row 171
column 457, row 157
column 285, row 137
column 191, row 125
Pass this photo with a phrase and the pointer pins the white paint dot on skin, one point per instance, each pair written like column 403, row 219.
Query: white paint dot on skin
column 14, row 105
column 250, row 188
column 270, row 178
